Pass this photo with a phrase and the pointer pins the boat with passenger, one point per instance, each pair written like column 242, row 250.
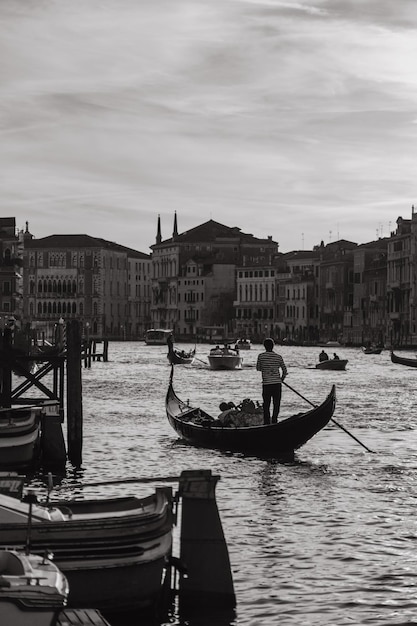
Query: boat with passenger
column 225, row 358
column 244, row 430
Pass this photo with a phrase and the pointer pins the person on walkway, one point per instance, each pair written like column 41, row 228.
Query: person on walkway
column 273, row 370
column 323, row 356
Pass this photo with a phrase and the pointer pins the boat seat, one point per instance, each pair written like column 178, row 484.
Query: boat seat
column 10, row 565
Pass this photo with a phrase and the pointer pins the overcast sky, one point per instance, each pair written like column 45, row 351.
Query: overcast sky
column 291, row 119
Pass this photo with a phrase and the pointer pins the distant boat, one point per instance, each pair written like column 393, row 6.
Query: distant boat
column 157, row 336
column 243, row 344
column 403, row 360
column 225, row 358
column 332, row 364
column 371, row 350
column 179, row 357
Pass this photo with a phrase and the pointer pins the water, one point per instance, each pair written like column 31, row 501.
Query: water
column 328, row 540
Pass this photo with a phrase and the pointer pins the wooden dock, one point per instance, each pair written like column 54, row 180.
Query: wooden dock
column 81, row 617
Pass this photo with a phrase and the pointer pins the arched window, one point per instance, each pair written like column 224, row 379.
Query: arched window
column 40, row 286
column 49, row 308
column 64, row 307
column 39, row 308
column 45, row 286
column 54, row 286
column 74, row 308
column 59, row 287
column 32, row 287
column 54, row 308
column 74, row 287
column 44, row 308
column 64, row 287
column 59, row 308
column 49, row 286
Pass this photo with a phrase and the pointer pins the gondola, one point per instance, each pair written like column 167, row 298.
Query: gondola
column 403, row 361
column 179, row 357
column 273, row 440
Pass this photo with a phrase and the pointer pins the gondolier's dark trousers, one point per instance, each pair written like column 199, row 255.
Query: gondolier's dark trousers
column 271, row 392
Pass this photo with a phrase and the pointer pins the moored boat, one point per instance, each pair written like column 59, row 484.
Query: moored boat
column 403, row 360
column 114, row 552
column 33, row 591
column 225, row 358
column 332, row 364
column 279, row 440
column 20, row 433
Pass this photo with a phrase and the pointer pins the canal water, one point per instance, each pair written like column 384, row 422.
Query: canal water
column 329, row 540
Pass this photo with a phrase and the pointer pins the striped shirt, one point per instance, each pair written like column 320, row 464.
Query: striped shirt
column 269, row 363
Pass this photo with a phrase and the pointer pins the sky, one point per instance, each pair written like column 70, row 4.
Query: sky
column 292, row 119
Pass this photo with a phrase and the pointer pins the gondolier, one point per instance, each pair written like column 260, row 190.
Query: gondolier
column 274, row 371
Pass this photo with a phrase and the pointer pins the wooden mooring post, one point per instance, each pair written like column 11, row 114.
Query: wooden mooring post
column 74, row 394
column 206, row 579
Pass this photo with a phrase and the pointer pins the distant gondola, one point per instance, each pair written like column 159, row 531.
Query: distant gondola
column 179, row 357
column 273, row 440
column 403, row 361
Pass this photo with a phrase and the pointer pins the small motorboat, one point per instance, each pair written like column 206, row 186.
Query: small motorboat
column 243, row 344
column 371, row 349
column 332, row 364
column 225, row 358
column 33, row 591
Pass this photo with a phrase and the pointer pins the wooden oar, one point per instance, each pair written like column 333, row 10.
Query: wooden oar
column 201, row 360
column 331, row 419
column 122, row 481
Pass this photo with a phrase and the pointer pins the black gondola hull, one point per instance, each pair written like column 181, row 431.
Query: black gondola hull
column 274, row 440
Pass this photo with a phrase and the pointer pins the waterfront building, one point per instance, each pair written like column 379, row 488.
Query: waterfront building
column 369, row 309
column 194, row 276
column 301, row 289
column 402, row 283
column 11, row 271
column 336, row 289
column 84, row 278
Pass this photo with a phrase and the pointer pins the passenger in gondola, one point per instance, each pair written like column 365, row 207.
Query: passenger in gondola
column 323, row 356
column 335, row 357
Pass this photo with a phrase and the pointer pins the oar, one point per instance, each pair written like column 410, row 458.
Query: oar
column 201, row 360
column 331, row 419
column 122, row 481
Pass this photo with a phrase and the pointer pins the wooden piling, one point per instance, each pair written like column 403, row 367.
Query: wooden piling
column 5, row 368
column 207, row 580
column 74, row 393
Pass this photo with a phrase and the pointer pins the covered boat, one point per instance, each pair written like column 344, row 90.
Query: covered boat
column 403, row 360
column 225, row 358
column 332, row 364
column 114, row 552
column 280, row 440
column 32, row 589
column 179, row 357
column 20, row 432
column 157, row 336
